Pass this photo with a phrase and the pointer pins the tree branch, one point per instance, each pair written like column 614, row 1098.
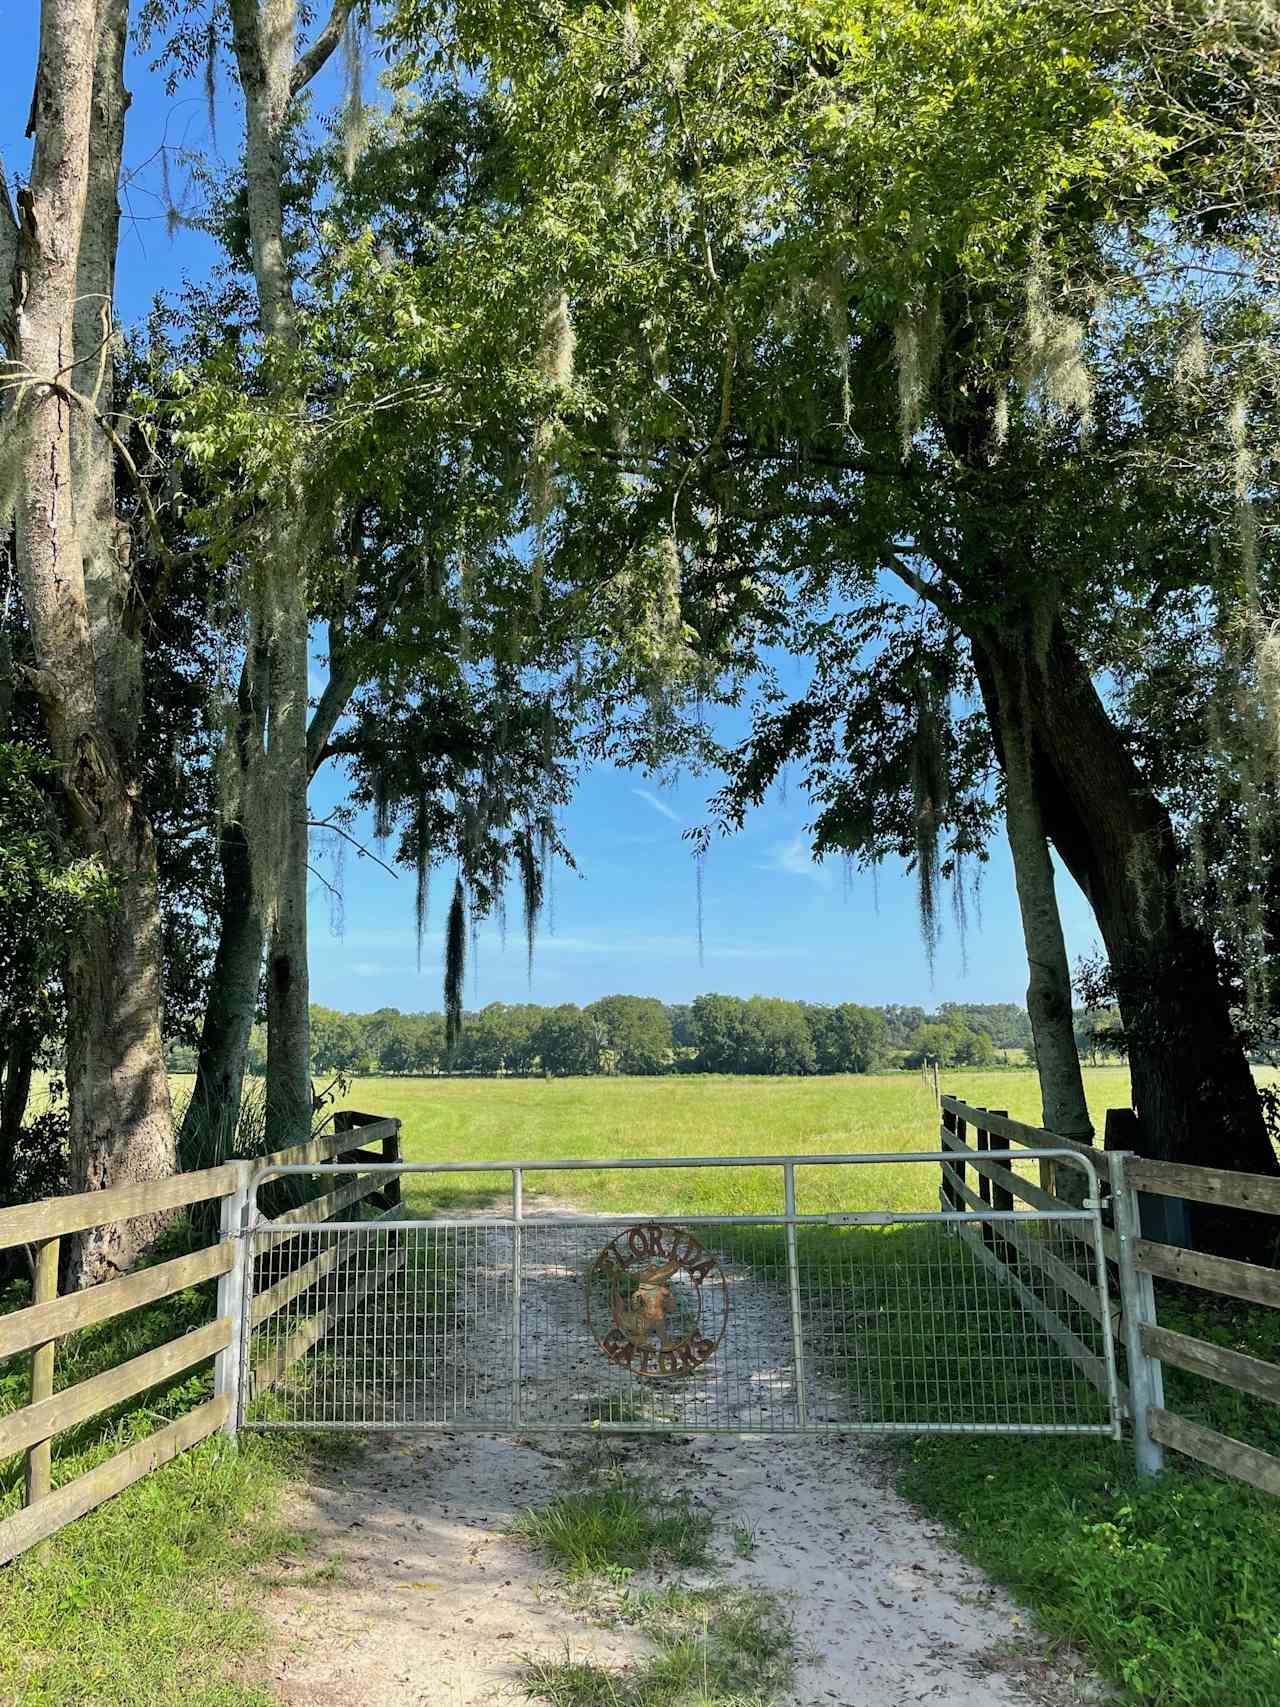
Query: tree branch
column 321, row 49
column 929, row 590
column 344, row 677
column 364, row 852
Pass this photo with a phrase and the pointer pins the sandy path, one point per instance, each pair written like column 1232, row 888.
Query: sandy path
column 433, row 1604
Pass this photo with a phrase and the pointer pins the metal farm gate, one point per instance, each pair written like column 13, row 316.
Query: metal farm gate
column 987, row 1320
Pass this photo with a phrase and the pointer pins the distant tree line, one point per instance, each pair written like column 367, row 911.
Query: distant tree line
column 642, row 1035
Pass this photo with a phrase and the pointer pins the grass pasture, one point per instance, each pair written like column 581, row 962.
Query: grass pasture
column 457, row 1120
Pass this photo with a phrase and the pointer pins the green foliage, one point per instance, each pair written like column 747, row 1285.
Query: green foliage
column 568, row 1041
column 636, row 1032
column 44, row 895
column 950, row 1044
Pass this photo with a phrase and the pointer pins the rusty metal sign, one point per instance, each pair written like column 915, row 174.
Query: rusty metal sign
column 657, row 1301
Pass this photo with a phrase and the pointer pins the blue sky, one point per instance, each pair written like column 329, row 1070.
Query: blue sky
column 773, row 921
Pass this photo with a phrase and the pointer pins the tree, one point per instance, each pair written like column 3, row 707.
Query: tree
column 846, row 1038
column 58, row 256
column 914, row 418
column 568, row 1042
column 338, row 1043
column 636, row 1033
column 721, row 1030
column 45, row 899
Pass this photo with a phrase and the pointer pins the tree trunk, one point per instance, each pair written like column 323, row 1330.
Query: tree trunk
column 1192, row 1087
column 213, row 1114
column 233, row 988
column 1063, row 1104
column 289, row 1095
column 264, row 34
column 121, row 1122
column 15, row 1089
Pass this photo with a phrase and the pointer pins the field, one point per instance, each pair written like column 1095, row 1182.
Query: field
column 456, row 1120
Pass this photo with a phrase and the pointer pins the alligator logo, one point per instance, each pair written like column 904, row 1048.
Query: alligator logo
column 657, row 1301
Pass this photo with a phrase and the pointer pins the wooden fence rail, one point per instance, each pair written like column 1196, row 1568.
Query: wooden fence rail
column 37, row 1327
column 1139, row 1262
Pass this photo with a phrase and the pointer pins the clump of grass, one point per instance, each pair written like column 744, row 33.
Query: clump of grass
column 617, row 1528
column 744, row 1542
column 715, row 1647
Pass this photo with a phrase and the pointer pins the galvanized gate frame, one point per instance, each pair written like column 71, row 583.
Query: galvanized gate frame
column 251, row 1223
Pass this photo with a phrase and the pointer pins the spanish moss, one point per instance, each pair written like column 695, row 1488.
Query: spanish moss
column 455, row 965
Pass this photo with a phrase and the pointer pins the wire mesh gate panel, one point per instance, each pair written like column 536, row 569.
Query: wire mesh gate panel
column 847, row 1321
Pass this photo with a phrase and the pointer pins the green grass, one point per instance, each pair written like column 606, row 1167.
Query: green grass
column 148, row 1601
column 616, row 1529
column 715, row 1646
column 1170, row 1586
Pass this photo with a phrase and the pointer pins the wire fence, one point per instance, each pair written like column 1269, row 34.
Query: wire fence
column 983, row 1322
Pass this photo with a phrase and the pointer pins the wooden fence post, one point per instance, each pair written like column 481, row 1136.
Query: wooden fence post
column 937, row 1088
column 1001, row 1196
column 1138, row 1304
column 945, row 1193
column 39, row 1477
column 228, row 1368
column 391, row 1153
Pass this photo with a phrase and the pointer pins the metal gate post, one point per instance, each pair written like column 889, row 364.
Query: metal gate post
column 517, row 1254
column 233, row 1295
column 1138, row 1304
column 793, row 1282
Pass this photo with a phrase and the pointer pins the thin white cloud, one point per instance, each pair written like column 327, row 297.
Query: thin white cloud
column 794, row 859
column 658, row 805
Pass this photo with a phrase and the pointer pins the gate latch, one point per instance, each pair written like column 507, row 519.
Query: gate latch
column 1096, row 1203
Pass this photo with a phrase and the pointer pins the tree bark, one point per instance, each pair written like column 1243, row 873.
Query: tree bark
column 121, row 1121
column 233, row 988
column 1063, row 1104
column 264, row 35
column 1192, row 1088
column 213, row 1114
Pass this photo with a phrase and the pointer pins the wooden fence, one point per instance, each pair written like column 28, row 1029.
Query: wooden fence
column 1139, row 1262
column 39, row 1326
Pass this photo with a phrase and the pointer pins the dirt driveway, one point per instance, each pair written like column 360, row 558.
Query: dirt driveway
column 414, row 1595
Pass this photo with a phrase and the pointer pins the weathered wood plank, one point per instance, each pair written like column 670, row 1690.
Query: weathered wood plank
column 1023, row 1239
column 87, row 1398
column 1198, row 1357
column 1207, row 1185
column 25, row 1528
column 1002, row 1176
column 1090, row 1365
column 1219, row 1451
column 29, row 1223
column 321, row 1208
column 1246, row 1280
column 1032, row 1137
column 24, row 1328
column 327, row 1144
